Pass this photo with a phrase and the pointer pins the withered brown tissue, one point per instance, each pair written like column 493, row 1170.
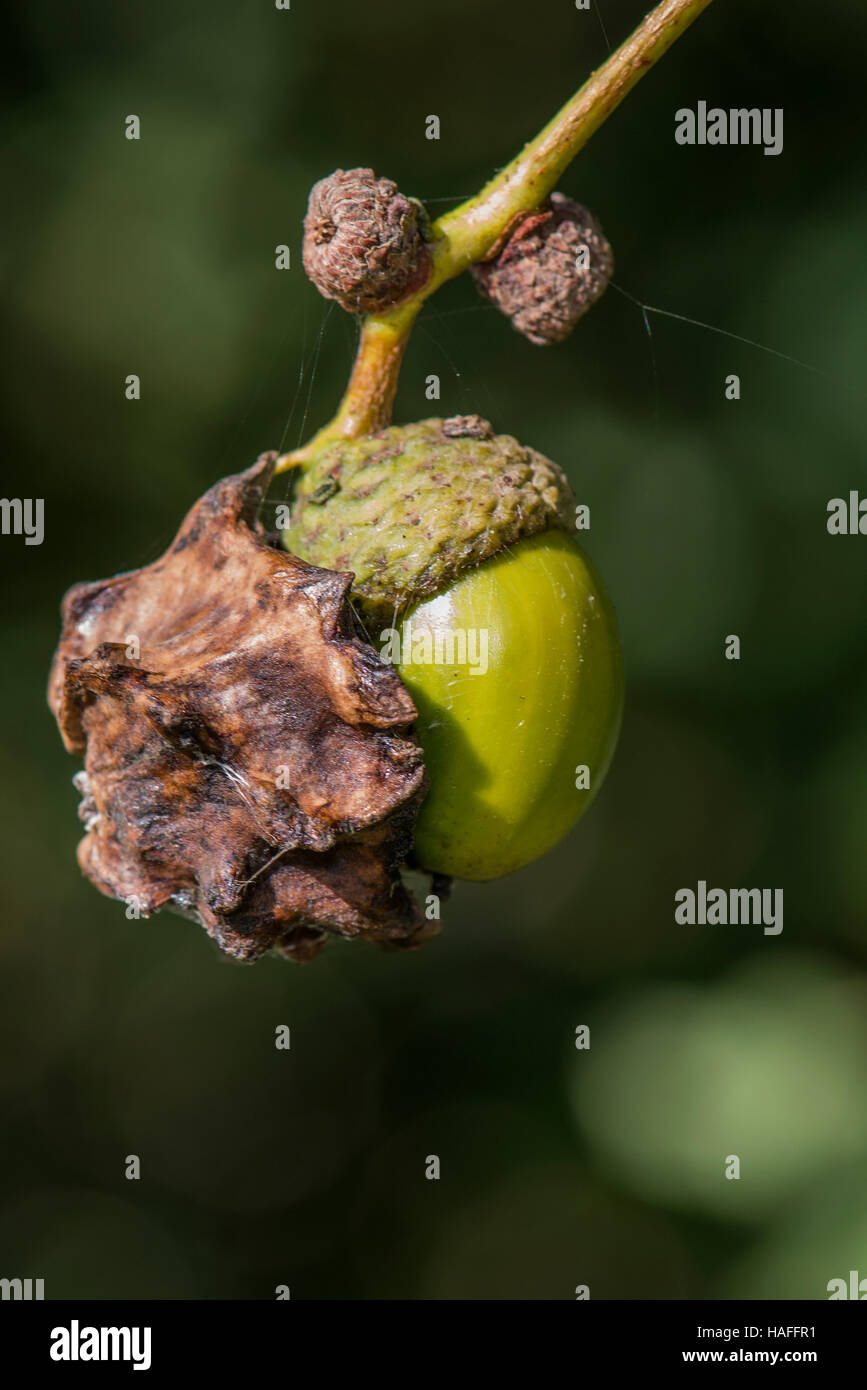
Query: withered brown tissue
column 251, row 764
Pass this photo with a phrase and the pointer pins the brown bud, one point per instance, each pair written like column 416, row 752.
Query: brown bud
column 363, row 244
column 248, row 759
column 551, row 268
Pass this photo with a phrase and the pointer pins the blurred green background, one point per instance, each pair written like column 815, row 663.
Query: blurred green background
column 559, row 1167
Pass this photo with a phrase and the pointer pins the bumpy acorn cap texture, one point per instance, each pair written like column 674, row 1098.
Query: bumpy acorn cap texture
column 363, row 242
column 413, row 507
column 534, row 276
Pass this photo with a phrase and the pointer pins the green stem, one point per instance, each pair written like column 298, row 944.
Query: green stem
column 467, row 233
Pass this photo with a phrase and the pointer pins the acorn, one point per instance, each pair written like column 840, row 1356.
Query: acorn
column 469, row 580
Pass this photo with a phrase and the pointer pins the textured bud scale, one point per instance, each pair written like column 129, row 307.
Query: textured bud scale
column 413, row 507
column 363, row 244
column 536, row 278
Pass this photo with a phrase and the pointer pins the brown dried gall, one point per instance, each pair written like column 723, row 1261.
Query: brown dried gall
column 249, row 760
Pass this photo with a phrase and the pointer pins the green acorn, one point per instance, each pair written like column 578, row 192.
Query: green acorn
column 468, row 578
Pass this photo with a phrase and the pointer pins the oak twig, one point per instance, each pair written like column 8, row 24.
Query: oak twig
column 468, row 232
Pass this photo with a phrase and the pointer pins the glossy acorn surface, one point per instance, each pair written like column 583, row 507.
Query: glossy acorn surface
column 502, row 744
